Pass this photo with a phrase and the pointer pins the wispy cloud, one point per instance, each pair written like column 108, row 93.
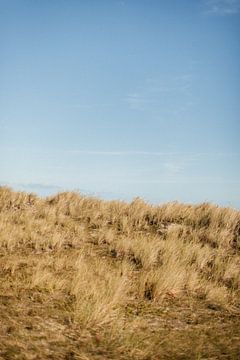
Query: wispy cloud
column 89, row 106
column 178, row 83
column 174, row 167
column 189, row 156
column 47, row 189
column 222, row 7
column 138, row 101
column 183, row 180
column 118, row 153
column 155, row 94
column 34, row 187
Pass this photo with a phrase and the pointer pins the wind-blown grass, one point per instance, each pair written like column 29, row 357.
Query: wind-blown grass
column 83, row 278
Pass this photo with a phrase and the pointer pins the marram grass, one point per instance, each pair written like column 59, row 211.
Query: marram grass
column 83, row 278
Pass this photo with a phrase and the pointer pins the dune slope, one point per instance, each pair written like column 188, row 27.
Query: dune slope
column 83, row 278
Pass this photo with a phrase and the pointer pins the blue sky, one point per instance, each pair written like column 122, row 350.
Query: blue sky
column 121, row 98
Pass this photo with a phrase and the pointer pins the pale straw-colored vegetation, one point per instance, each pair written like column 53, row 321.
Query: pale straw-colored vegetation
column 83, row 278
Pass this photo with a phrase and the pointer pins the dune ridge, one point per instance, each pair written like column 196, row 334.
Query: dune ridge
column 83, row 278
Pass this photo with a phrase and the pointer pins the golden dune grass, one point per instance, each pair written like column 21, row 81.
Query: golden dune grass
column 83, row 278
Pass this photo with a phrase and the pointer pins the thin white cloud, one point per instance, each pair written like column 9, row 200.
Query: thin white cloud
column 187, row 156
column 176, row 154
column 222, row 7
column 182, row 180
column 88, row 106
column 138, row 101
column 174, row 167
column 119, row 153
column 154, row 94
column 31, row 186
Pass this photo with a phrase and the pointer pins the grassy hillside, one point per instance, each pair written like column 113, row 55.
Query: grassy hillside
column 82, row 278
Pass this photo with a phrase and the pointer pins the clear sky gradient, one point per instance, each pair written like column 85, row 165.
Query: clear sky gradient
column 121, row 98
